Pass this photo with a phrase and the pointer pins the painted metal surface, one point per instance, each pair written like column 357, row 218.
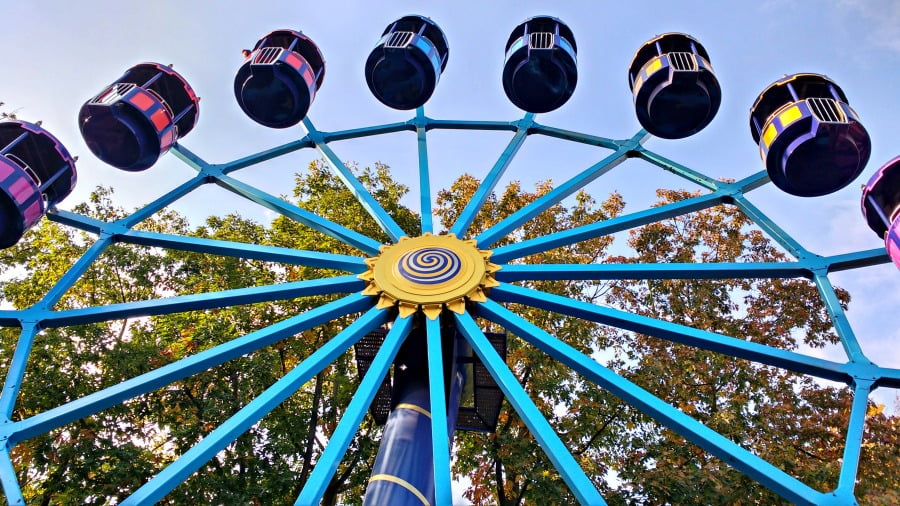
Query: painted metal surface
column 858, row 370
column 137, row 118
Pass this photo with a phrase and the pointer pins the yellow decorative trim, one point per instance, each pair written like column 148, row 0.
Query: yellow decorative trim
column 458, row 306
column 403, row 483
column 769, row 134
column 419, row 409
column 429, row 273
column 654, row 65
column 790, row 115
column 432, row 311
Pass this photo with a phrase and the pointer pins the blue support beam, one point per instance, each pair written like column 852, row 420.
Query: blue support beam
column 147, row 382
column 424, row 178
column 219, row 247
column 190, row 158
column 162, row 202
column 468, row 214
column 343, row 434
column 854, row 440
column 15, row 373
column 743, row 270
column 266, row 155
column 508, row 126
column 208, row 300
column 8, row 479
column 357, row 133
column 74, row 273
column 839, row 319
column 330, row 228
column 682, row 334
column 579, row 484
column 555, row 196
column 773, row 230
column 569, row 135
column 566, row 237
column 79, row 221
column 440, row 431
column 362, row 195
column 678, row 169
column 857, row 259
column 768, row 475
column 254, row 411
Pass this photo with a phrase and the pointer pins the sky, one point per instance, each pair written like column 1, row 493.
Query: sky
column 58, row 54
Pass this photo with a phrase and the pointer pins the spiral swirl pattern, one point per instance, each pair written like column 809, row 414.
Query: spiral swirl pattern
column 429, row 266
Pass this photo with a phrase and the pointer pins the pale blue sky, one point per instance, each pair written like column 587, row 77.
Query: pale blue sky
column 57, row 54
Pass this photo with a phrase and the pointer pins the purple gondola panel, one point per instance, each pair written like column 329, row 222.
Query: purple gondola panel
column 36, row 173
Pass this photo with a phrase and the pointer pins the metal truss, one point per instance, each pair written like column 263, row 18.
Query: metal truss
column 861, row 374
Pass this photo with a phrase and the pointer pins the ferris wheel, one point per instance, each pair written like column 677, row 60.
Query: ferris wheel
column 432, row 289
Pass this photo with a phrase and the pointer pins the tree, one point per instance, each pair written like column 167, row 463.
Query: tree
column 791, row 421
column 105, row 457
column 507, row 467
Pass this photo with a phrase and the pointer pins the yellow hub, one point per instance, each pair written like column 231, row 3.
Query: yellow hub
column 429, row 273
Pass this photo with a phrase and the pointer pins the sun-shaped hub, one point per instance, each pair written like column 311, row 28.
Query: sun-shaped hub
column 430, row 273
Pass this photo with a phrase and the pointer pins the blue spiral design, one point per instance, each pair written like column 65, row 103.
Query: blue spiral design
column 429, row 266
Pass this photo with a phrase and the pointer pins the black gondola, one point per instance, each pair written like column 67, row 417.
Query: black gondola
column 135, row 120
column 279, row 79
column 406, row 64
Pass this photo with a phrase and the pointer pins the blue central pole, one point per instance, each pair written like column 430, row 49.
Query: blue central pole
column 403, row 474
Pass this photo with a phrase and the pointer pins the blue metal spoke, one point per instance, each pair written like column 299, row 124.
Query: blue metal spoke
column 579, row 484
column 255, row 410
column 357, row 133
column 8, row 478
column 678, row 169
column 888, row 378
column 839, row 319
column 190, row 159
column 244, row 250
column 452, row 124
column 733, row 270
column 10, row 318
column 362, row 195
column 857, row 259
column 674, row 332
column 343, row 434
column 424, row 179
column 296, row 213
column 555, row 196
column 200, row 301
column 268, row 154
column 74, row 273
column 467, row 216
column 606, row 227
column 16, row 371
column 854, row 439
column 569, row 135
column 534, row 272
column 775, row 232
column 79, row 221
column 752, row 182
column 692, row 430
column 440, row 433
column 162, row 202
column 147, row 382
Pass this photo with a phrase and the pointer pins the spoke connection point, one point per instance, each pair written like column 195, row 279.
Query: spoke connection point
column 430, row 273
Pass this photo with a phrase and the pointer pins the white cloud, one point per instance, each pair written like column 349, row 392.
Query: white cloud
column 883, row 16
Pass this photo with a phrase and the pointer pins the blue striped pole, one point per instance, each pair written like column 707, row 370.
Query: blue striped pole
column 404, row 473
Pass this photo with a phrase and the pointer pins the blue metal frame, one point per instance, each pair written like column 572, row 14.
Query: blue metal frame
column 858, row 371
